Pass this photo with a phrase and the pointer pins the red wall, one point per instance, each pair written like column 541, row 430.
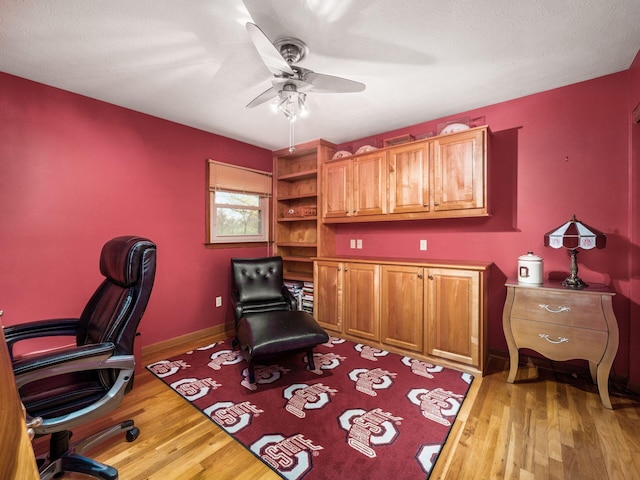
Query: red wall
column 75, row 172
column 554, row 154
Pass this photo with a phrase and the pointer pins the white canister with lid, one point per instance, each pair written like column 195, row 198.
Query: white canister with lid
column 530, row 269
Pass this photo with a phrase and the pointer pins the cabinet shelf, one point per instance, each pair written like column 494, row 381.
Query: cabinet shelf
column 298, row 259
column 298, row 219
column 298, row 244
column 294, row 177
column 283, row 198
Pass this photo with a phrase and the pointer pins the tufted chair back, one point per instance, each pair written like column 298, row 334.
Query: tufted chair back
column 257, row 286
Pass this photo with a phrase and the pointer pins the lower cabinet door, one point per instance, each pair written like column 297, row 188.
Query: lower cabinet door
column 327, row 278
column 402, row 307
column 361, row 300
column 452, row 313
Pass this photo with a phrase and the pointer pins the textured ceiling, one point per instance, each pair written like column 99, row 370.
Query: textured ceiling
column 193, row 62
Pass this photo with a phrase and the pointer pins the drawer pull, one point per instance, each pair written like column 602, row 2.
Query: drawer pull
column 560, row 339
column 554, row 310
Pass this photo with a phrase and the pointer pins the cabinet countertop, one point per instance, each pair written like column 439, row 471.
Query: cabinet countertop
column 437, row 263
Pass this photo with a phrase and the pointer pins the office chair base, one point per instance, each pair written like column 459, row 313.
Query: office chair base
column 68, row 458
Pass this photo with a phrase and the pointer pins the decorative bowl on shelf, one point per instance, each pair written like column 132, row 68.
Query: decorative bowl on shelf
column 341, row 154
column 453, row 128
column 365, row 149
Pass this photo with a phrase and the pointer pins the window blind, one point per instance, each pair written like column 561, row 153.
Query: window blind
column 223, row 176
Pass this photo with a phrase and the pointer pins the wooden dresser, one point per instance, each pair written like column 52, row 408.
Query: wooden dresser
column 563, row 324
column 16, row 455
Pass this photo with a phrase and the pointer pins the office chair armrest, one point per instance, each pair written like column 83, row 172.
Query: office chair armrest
column 41, row 328
column 86, row 357
column 291, row 300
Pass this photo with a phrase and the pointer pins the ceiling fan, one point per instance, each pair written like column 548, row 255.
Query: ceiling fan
column 291, row 82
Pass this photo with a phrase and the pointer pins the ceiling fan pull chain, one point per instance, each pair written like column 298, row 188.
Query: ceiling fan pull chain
column 291, row 147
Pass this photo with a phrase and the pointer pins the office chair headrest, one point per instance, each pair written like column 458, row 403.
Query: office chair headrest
column 120, row 259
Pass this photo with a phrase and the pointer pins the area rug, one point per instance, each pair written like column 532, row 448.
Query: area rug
column 363, row 413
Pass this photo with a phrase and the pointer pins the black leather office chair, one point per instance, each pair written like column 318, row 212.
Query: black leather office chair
column 266, row 318
column 73, row 386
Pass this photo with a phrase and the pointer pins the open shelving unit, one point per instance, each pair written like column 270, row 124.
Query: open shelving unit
column 298, row 232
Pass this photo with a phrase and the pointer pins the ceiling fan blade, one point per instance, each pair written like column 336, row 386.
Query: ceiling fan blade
column 268, row 52
column 264, row 97
column 322, row 83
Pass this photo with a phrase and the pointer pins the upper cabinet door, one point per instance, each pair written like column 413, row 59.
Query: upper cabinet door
column 459, row 171
column 370, row 184
column 409, row 178
column 337, row 186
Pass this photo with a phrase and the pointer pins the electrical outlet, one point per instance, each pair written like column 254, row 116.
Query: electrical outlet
column 359, row 243
column 352, row 243
column 218, row 301
column 423, row 244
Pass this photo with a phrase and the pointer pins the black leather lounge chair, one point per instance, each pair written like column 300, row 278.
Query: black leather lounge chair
column 267, row 320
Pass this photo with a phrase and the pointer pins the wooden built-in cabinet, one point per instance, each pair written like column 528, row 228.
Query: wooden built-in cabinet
column 298, row 232
column 435, row 311
column 444, row 176
column 355, row 186
column 350, row 298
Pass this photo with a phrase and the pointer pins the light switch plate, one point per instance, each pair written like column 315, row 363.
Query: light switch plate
column 423, row 244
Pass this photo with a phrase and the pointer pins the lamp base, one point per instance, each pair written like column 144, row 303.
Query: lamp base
column 574, row 282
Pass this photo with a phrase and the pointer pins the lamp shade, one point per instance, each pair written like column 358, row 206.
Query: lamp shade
column 575, row 234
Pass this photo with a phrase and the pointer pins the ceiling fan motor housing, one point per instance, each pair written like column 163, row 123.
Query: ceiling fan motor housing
column 292, row 50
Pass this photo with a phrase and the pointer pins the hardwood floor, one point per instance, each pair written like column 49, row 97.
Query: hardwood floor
column 551, row 427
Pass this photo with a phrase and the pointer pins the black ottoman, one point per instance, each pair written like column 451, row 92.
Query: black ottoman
column 266, row 334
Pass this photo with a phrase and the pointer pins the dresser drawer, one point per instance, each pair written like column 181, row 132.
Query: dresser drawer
column 579, row 310
column 559, row 342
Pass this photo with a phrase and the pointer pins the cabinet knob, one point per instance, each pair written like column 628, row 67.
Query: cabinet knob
column 437, row 204
column 425, row 204
column 419, row 275
column 430, row 277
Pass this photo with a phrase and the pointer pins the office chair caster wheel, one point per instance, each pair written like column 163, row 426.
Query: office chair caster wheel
column 132, row 434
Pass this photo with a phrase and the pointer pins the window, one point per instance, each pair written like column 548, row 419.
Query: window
column 238, row 204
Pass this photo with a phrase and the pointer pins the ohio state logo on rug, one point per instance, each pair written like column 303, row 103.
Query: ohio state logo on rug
column 192, row 388
column 370, row 353
column 206, row 347
column 290, row 456
column 367, row 381
column 264, row 375
column 333, row 341
column 225, row 357
column 368, row 429
column 427, row 455
column 233, row 416
column 327, row 361
column 303, row 397
column 436, row 404
column 418, row 367
column 165, row 368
